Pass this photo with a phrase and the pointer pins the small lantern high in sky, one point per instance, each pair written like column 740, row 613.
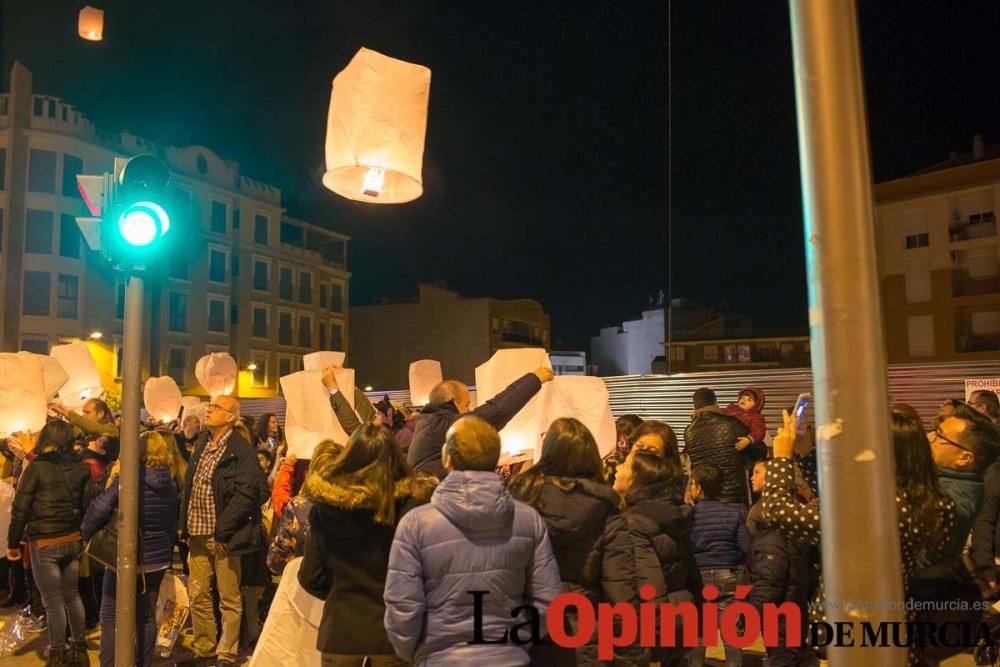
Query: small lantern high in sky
column 375, row 129
column 91, row 24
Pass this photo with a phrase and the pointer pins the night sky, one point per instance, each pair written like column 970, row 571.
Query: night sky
column 545, row 172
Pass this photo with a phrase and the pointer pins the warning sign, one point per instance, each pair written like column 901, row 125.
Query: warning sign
column 979, row 384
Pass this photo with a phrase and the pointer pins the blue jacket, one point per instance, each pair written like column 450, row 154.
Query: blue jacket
column 719, row 535
column 472, row 536
column 158, row 505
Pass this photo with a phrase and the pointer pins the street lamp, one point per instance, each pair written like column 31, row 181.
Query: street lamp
column 96, row 335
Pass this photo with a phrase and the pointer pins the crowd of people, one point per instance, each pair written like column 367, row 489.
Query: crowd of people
column 419, row 551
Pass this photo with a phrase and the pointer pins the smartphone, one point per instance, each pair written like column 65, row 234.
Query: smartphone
column 801, row 403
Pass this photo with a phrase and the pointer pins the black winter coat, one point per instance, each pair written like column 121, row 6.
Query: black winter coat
column 986, row 529
column 599, row 555
column 346, row 560
column 659, row 513
column 49, row 500
column 435, row 420
column 237, row 491
column 711, row 438
column 779, row 569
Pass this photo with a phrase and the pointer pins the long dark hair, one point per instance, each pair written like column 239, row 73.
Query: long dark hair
column 671, row 453
column 373, row 460
column 649, row 469
column 56, row 439
column 260, row 429
column 569, row 452
column 916, row 478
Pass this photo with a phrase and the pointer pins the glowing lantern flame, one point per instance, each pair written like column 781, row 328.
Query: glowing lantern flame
column 374, row 179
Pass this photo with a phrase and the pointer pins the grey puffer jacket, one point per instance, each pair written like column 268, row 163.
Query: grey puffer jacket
column 471, row 537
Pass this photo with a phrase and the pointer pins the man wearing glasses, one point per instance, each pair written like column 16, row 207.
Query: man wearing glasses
column 962, row 446
column 220, row 512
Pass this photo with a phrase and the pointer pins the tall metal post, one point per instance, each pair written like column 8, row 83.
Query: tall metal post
column 861, row 555
column 128, row 476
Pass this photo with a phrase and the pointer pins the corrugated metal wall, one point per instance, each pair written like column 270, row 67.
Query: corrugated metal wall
column 668, row 398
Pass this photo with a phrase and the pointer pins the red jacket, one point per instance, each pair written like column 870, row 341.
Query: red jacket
column 753, row 419
column 282, row 491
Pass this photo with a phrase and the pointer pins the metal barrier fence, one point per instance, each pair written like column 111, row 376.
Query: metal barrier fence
column 668, row 397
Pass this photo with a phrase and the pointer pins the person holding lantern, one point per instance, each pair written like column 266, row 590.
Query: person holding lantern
column 46, row 512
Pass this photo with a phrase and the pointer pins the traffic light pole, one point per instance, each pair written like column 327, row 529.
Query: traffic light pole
column 128, row 476
column 861, row 555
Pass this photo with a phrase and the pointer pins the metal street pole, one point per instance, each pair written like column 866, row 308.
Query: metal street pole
column 128, row 476
column 861, row 556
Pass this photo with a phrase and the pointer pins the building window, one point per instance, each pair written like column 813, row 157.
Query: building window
column 305, row 331
column 236, row 218
column 65, row 115
column 305, row 287
column 37, row 106
column 284, row 366
column 36, row 344
column 119, row 301
column 72, row 167
column 284, row 329
column 787, row 350
column 260, row 223
column 292, row 235
column 42, row 171
column 217, row 266
column 917, row 241
column 744, row 354
column 180, row 203
column 68, row 289
column 730, row 354
column 285, row 283
column 260, row 271
column 920, row 334
column 337, row 298
column 216, row 316
column 177, row 364
column 52, row 108
column 37, row 288
column 38, row 235
column 218, row 217
column 677, row 353
column 324, row 295
column 3, row 169
column 177, row 312
column 711, row 352
column 259, row 377
column 119, row 357
column 179, row 266
column 321, row 343
column 69, row 237
column 336, row 337
column 259, row 327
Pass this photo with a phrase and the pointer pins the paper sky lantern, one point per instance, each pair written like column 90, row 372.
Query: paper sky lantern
column 162, row 398
column 91, row 24
column 23, row 400
column 309, row 418
column 424, row 376
column 217, row 373
column 84, row 382
column 523, row 432
column 586, row 399
column 317, row 361
column 375, row 129
column 53, row 374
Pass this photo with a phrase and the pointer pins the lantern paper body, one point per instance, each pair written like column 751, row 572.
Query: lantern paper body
column 162, row 398
column 586, row 399
column 217, row 373
column 23, row 403
column 309, row 418
column 424, row 376
column 523, row 432
column 53, row 374
column 317, row 361
column 194, row 407
column 375, row 129
column 91, row 24
column 84, row 381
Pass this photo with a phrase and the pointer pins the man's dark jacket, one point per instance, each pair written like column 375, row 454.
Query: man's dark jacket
column 986, row 530
column 711, row 438
column 436, row 418
column 236, row 488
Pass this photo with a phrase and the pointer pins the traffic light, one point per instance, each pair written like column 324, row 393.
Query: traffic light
column 130, row 214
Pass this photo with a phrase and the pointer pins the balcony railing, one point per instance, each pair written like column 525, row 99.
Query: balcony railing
column 963, row 285
column 973, row 230
column 977, row 342
column 511, row 337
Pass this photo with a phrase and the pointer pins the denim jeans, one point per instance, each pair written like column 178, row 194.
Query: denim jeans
column 57, row 570
column 145, row 617
column 725, row 581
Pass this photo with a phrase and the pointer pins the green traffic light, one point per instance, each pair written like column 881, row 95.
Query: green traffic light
column 142, row 223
